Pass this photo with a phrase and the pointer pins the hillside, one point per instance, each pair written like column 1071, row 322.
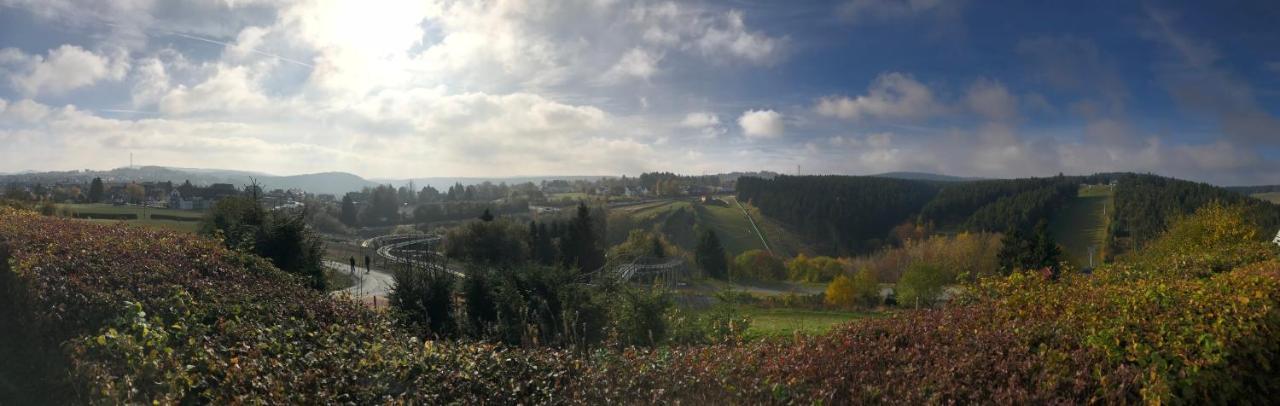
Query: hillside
column 1080, row 227
column 1273, row 197
column 857, row 213
column 678, row 221
column 117, row 314
column 925, row 176
column 327, row 182
column 1145, row 203
column 843, row 213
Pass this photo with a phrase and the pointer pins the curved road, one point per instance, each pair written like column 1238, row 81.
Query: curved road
column 375, row 283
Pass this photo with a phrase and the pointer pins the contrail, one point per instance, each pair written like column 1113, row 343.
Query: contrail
column 208, row 40
column 187, row 36
column 268, row 54
column 123, row 111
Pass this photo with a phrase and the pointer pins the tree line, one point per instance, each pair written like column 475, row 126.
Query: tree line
column 843, row 213
column 1144, row 205
column 528, row 285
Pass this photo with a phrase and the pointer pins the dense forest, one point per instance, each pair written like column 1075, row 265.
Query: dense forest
column 999, row 205
column 1249, row 190
column 856, row 214
column 846, row 213
column 1145, row 203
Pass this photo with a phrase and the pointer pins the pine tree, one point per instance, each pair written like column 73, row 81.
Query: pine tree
column 349, row 214
column 710, row 256
column 96, row 190
column 1047, row 253
column 579, row 248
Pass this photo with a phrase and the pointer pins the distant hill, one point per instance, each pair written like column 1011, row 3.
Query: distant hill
column 443, row 183
column 925, row 176
column 336, row 183
column 325, row 182
column 328, row 182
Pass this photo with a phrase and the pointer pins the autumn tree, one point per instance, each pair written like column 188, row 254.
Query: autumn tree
column 922, row 285
column 839, row 292
column 758, row 265
column 135, row 192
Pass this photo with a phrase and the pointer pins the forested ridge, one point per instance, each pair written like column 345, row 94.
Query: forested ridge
column 999, row 205
column 1145, row 203
column 846, row 213
column 856, row 214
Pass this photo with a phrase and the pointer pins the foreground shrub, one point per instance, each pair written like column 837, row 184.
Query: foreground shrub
column 757, row 265
column 118, row 314
column 122, row 314
column 922, row 285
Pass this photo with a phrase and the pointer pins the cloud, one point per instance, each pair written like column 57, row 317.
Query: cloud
column 855, row 10
column 945, row 18
column 730, row 38
column 150, row 82
column 892, row 95
column 1076, row 66
column 23, row 111
column 1197, row 82
column 65, row 68
column 1273, row 66
column 231, row 89
column 761, row 124
column 707, row 124
column 700, row 120
column 992, row 100
column 635, row 64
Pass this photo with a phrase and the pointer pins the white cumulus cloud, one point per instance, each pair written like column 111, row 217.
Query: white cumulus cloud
column 65, row 68
column 891, row 96
column 761, row 124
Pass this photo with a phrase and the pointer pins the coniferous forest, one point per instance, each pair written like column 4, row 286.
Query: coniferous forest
column 855, row 214
column 848, row 213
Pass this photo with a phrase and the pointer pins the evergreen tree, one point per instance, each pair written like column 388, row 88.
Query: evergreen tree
column 579, row 246
column 350, row 216
column 424, row 296
column 487, row 216
column 96, row 190
column 481, row 302
column 1022, row 251
column 710, row 256
column 280, row 236
column 655, row 248
column 1046, row 254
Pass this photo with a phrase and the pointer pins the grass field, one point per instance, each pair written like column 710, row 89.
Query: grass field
column 731, row 226
column 785, row 322
column 575, row 196
column 338, row 280
column 1082, row 224
column 150, row 217
column 1273, row 197
column 729, row 223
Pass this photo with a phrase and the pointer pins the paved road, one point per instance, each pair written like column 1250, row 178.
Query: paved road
column 376, row 282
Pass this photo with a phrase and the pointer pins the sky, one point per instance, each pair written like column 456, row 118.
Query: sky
column 399, row 89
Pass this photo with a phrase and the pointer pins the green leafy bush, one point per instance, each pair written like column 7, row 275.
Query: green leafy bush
column 120, row 314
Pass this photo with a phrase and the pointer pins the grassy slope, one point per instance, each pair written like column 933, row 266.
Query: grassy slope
column 144, row 215
column 783, row 322
column 731, row 226
column 729, row 223
column 1273, row 197
column 1081, row 224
